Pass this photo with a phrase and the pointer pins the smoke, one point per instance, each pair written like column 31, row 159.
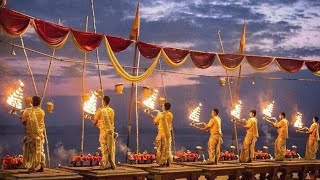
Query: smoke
column 121, row 147
column 62, row 155
column 181, row 149
column 264, row 99
column 225, row 101
column 268, row 137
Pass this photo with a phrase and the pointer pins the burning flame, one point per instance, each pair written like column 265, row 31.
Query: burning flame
column 298, row 122
column 236, row 112
column 195, row 113
column 15, row 99
column 268, row 110
column 90, row 106
column 150, row 102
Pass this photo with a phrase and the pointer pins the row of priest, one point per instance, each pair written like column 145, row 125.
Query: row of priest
column 33, row 120
column 252, row 134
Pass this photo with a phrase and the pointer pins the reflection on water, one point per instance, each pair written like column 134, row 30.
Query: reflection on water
column 65, row 141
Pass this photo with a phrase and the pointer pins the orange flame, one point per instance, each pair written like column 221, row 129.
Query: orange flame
column 268, row 110
column 15, row 99
column 195, row 113
column 236, row 112
column 298, row 122
column 90, row 106
column 150, row 102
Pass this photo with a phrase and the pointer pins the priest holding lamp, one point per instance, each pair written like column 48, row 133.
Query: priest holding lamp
column 33, row 153
column 104, row 120
column 312, row 143
column 280, row 143
column 251, row 126
column 163, row 120
column 215, row 140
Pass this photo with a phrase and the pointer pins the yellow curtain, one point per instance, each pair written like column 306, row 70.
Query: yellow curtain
column 78, row 45
column 122, row 72
column 170, row 62
column 317, row 73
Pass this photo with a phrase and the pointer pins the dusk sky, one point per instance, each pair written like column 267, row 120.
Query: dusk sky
column 286, row 28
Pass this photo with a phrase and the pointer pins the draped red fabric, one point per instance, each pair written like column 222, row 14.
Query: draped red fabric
column 147, row 50
column 313, row 66
column 13, row 23
column 176, row 55
column 202, row 60
column 259, row 62
column 118, row 44
column 53, row 34
column 87, row 41
column 289, row 65
column 230, row 61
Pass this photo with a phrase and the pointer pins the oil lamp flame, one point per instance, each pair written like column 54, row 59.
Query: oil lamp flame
column 268, row 110
column 236, row 112
column 150, row 102
column 298, row 122
column 90, row 106
column 15, row 99
column 195, row 113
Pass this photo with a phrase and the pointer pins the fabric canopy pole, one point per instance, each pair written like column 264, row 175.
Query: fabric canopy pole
column 134, row 35
column 234, row 132
column 42, row 98
column 227, row 74
column 97, row 50
column 83, row 89
column 29, row 67
column 136, row 106
column 241, row 51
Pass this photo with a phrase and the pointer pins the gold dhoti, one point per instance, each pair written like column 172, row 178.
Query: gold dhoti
column 43, row 156
column 247, row 151
column 163, row 145
column 280, row 148
column 311, row 148
column 32, row 151
column 214, row 145
column 107, row 145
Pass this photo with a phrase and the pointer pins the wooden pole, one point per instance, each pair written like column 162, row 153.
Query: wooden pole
column 136, row 107
column 83, row 91
column 42, row 99
column 134, row 88
column 235, row 141
column 227, row 74
column 28, row 65
column 241, row 49
column 97, row 50
column 132, row 94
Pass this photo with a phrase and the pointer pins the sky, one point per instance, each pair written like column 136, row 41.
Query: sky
column 285, row 28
